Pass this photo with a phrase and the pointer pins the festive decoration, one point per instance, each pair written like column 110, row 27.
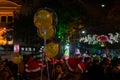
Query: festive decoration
column 44, row 20
column 4, row 36
column 67, row 51
column 88, row 39
column 52, row 49
column 91, row 39
column 42, row 17
column 102, row 39
column 114, row 38
column 3, row 40
column 17, row 58
column 16, row 48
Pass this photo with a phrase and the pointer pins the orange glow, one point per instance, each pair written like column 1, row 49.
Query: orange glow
column 3, row 40
column 7, row 13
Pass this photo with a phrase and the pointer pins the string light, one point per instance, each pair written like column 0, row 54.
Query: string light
column 91, row 39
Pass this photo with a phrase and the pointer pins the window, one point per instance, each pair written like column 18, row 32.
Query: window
column 10, row 18
column 3, row 19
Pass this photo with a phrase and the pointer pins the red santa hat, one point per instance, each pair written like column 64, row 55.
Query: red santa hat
column 72, row 63
column 32, row 65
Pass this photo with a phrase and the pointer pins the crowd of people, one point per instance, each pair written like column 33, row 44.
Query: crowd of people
column 92, row 69
column 79, row 68
column 7, row 70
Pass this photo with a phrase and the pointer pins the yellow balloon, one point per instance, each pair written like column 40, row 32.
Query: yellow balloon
column 52, row 49
column 43, row 20
column 47, row 33
column 17, row 59
column 43, row 17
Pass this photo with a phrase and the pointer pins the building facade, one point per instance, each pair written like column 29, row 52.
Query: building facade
column 8, row 12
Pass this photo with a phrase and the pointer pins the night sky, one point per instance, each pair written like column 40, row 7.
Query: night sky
column 97, row 16
column 94, row 13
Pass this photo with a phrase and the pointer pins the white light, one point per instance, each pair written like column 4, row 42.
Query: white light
column 102, row 5
column 66, row 47
column 10, row 42
column 83, row 32
column 91, row 39
column 4, row 28
column 33, row 49
column 40, row 50
column 22, row 49
column 30, row 49
column 26, row 49
column 43, row 47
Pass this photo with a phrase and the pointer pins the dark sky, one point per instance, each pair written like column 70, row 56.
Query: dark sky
column 95, row 17
column 106, row 18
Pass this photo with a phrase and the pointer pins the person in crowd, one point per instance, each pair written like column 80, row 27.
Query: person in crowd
column 76, row 66
column 88, row 64
column 96, row 71
column 34, row 68
column 60, row 73
column 5, row 72
column 106, row 64
column 115, row 71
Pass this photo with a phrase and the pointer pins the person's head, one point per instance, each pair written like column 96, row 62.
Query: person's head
column 96, row 60
column 106, row 61
column 87, row 60
column 58, row 67
column 2, row 65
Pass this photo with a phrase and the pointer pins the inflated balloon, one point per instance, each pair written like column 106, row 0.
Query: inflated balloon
column 44, row 20
column 43, row 17
column 49, row 33
column 52, row 49
column 17, row 58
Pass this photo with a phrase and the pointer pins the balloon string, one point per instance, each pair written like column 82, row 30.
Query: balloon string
column 43, row 55
column 48, row 70
column 45, row 32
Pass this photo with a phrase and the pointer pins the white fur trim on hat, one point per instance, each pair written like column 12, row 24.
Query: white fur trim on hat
column 26, row 65
column 34, row 70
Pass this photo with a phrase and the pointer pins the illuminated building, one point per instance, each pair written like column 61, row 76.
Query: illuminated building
column 8, row 12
